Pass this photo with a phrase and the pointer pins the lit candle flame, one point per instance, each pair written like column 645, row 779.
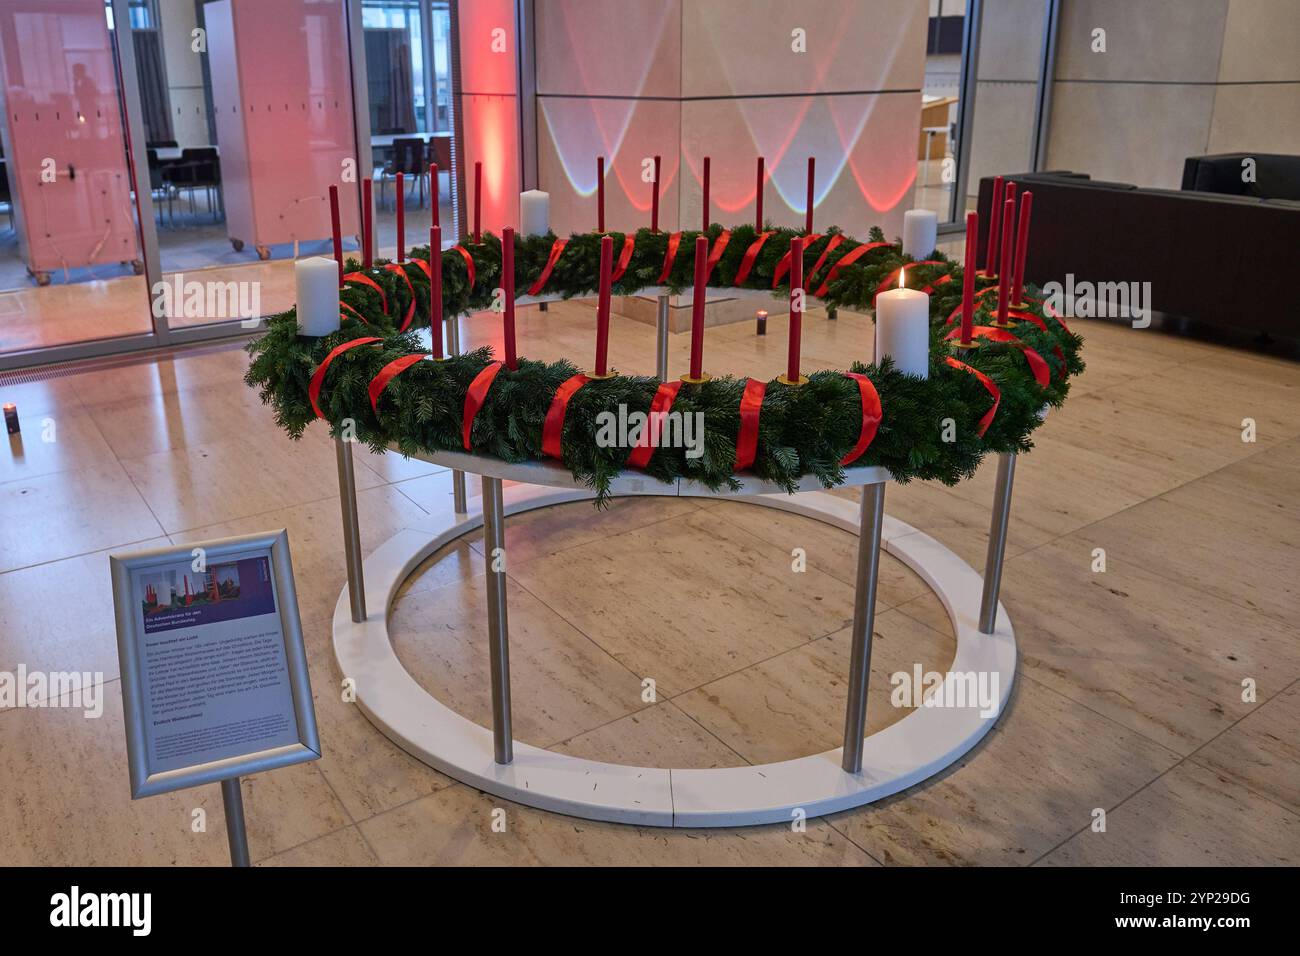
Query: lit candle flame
column 902, row 277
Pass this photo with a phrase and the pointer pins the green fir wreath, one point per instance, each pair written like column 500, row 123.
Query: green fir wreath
column 929, row 428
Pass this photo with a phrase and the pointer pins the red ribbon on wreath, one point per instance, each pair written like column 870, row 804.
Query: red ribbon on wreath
column 751, row 254
column 715, row 254
column 557, row 247
column 469, row 262
column 366, row 280
column 410, row 310
column 871, row 414
column 624, row 258
column 387, row 374
column 942, row 280
column 783, row 267
column 988, row 384
column 821, row 260
column 662, row 404
column 850, row 257
column 674, row 241
column 475, row 396
column 1042, row 372
column 553, row 426
column 751, row 405
column 318, row 377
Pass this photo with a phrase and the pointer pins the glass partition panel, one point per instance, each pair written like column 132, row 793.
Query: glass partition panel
column 70, row 260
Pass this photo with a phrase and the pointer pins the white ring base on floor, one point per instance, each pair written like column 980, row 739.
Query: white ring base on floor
column 903, row 754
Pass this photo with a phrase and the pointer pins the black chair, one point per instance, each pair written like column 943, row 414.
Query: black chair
column 200, row 168
column 408, row 159
column 159, row 188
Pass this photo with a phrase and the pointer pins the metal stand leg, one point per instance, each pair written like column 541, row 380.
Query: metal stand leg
column 236, row 832
column 351, row 529
column 997, row 542
column 871, row 518
column 494, row 541
column 459, row 501
column 661, row 339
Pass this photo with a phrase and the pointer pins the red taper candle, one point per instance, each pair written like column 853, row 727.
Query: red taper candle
column 367, row 224
column 435, row 289
column 705, row 227
column 478, row 202
column 758, row 195
column 600, row 193
column 968, row 276
column 654, row 199
column 995, row 221
column 508, row 284
column 1022, row 248
column 697, row 306
column 434, row 194
column 338, row 231
column 602, row 305
column 796, row 311
column 401, row 220
column 1004, row 268
column 812, row 178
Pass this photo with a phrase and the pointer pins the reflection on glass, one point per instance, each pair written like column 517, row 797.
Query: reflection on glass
column 937, row 150
column 70, row 258
column 262, row 126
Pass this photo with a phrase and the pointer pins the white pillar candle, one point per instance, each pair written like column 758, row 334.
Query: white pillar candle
column 920, row 233
column 534, row 212
column 317, row 279
column 903, row 329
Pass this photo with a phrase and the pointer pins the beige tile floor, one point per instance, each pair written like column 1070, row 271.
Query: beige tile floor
column 1129, row 695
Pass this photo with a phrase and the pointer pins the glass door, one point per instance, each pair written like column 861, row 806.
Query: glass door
column 71, row 260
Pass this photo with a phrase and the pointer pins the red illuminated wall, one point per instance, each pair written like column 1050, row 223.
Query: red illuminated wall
column 489, row 110
column 690, row 78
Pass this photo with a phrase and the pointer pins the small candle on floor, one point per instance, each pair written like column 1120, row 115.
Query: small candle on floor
column 11, row 419
column 761, row 319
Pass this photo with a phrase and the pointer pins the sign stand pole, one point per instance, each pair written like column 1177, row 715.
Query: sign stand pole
column 236, row 832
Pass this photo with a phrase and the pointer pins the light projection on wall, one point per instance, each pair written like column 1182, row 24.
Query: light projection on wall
column 731, row 103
